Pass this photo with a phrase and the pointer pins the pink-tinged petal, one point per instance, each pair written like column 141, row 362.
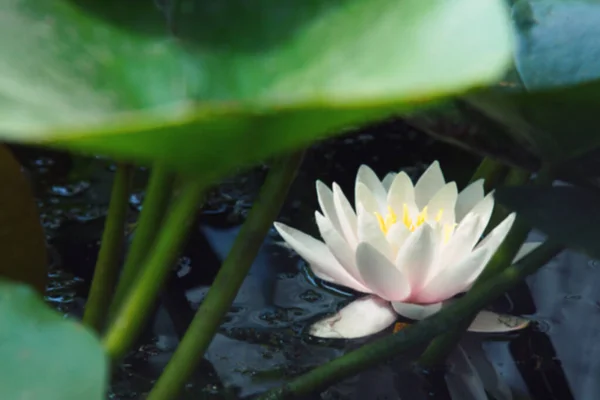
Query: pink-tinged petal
column 428, row 184
column 367, row 177
column 468, row 198
column 417, row 255
column 380, row 275
column 416, row 312
column 369, row 231
column 318, row 256
column 365, row 198
column 387, row 181
column 401, row 192
column 346, row 216
column 451, row 280
column 325, row 197
column 490, row 322
column 462, row 242
column 445, row 201
column 396, row 237
column 490, row 244
column 337, row 245
column 363, row 317
column 525, row 249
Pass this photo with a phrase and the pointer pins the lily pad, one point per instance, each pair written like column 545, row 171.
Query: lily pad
column 241, row 81
column 44, row 355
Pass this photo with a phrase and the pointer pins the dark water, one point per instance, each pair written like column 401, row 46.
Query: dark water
column 262, row 341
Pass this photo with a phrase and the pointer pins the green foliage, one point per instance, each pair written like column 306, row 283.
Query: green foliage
column 241, row 82
column 568, row 214
column 45, row 356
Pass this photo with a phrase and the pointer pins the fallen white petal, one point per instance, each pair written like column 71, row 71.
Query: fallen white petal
column 490, row 322
column 318, row 256
column 416, row 312
column 380, row 275
column 346, row 216
column 468, row 198
column 428, row 184
column 362, row 317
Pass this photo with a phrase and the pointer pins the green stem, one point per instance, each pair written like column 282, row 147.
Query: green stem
column 107, row 265
column 155, row 205
column 229, row 279
column 132, row 315
column 390, row 346
column 491, row 171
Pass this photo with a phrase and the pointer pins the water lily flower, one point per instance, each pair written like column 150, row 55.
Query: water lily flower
column 411, row 248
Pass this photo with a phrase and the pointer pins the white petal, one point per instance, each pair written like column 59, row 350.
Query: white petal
column 525, row 249
column 451, row 280
column 444, row 200
column 484, row 210
column 401, row 192
column 468, row 198
column 325, row 197
column 396, row 237
column 369, row 231
column 367, row 177
column 491, row 243
column 318, row 256
column 362, row 317
column 416, row 312
column 337, row 245
column 428, row 184
column 490, row 322
column 415, row 258
column 387, row 181
column 461, row 244
column 346, row 216
column 380, row 275
column 365, row 197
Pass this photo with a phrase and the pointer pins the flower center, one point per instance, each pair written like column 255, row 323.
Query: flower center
column 385, row 223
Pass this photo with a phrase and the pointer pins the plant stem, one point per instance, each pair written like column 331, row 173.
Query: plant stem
column 132, row 315
column 388, row 347
column 490, row 170
column 107, row 265
column 155, row 205
column 229, row 279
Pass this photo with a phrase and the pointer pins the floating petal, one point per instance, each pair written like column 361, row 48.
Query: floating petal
column 490, row 322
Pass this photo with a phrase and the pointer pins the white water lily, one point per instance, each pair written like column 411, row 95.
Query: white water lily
column 412, row 248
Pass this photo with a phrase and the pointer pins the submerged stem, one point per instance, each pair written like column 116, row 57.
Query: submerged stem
column 154, row 207
column 130, row 318
column 107, row 265
column 388, row 347
column 229, row 279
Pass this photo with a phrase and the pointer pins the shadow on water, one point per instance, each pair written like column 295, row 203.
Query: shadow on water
column 262, row 340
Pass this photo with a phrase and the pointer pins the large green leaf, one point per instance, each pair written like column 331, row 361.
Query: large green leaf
column 568, row 214
column 242, row 81
column 558, row 59
column 45, row 356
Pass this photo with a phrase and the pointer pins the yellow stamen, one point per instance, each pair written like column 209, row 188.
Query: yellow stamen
column 381, row 222
column 438, row 217
column 406, row 220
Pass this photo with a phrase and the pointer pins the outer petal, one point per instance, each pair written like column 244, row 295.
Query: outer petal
column 367, row 177
column 370, row 232
column 401, row 192
column 362, row 317
column 428, row 184
column 417, row 255
column 484, row 210
column 387, row 181
column 346, row 216
column 444, row 200
column 380, row 275
column 468, row 198
column 461, row 243
column 338, row 246
column 490, row 322
column 316, row 253
column 416, row 311
column 325, row 197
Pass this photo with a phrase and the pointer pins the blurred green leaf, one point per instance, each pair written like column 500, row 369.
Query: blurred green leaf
column 44, row 355
column 22, row 240
column 558, row 60
column 568, row 214
column 242, row 80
